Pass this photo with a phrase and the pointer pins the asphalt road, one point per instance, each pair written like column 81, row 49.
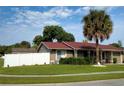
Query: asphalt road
column 111, row 82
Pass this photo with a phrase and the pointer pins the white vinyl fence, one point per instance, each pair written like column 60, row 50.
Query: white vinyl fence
column 26, row 59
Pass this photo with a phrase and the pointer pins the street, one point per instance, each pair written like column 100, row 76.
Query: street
column 112, row 82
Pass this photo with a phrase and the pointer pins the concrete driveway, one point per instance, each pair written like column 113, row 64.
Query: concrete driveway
column 111, row 82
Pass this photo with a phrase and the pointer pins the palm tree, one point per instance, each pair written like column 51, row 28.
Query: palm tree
column 98, row 27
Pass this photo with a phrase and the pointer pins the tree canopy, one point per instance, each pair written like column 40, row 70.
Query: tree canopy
column 37, row 39
column 118, row 44
column 5, row 49
column 97, row 26
column 25, row 44
column 56, row 32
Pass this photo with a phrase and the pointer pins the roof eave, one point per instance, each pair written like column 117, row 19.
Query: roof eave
column 42, row 43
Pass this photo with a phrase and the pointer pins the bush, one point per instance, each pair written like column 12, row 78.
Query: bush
column 1, row 62
column 75, row 61
column 114, row 60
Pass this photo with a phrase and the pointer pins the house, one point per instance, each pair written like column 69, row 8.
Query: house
column 23, row 50
column 59, row 50
column 51, row 52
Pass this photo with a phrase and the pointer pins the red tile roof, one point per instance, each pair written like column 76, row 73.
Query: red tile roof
column 56, row 45
column 79, row 45
column 110, row 47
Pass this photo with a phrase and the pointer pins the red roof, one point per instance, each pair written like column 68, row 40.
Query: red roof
column 56, row 45
column 81, row 45
column 110, row 47
column 78, row 45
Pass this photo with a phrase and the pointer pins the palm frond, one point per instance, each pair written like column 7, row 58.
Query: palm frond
column 97, row 24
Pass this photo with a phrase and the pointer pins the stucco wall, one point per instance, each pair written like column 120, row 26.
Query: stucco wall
column 43, row 49
column 69, row 53
column 117, row 56
column 52, row 55
column 64, row 54
column 123, row 58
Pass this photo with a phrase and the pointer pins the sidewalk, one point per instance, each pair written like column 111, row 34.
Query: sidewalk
column 94, row 73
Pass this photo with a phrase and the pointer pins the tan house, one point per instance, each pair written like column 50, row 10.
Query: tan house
column 59, row 50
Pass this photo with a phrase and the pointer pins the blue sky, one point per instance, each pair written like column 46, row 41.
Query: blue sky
column 24, row 23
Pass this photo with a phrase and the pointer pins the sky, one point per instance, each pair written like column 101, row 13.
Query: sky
column 24, row 23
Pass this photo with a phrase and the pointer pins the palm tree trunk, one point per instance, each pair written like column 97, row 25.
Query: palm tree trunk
column 97, row 51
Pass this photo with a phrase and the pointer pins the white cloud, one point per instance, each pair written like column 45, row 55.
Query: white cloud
column 24, row 24
column 85, row 10
column 40, row 19
column 32, row 18
column 82, row 10
column 29, row 23
column 99, row 7
column 62, row 12
column 37, row 18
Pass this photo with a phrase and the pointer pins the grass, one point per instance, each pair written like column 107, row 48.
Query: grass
column 11, row 80
column 1, row 62
column 58, row 69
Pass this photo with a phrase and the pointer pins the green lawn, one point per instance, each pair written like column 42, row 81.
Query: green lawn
column 1, row 62
column 58, row 69
column 11, row 80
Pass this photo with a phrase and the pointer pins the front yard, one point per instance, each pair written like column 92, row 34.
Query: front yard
column 56, row 70
column 1, row 62
column 38, row 80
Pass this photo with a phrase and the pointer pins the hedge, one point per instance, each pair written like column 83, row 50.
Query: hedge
column 76, row 61
column 114, row 60
column 1, row 62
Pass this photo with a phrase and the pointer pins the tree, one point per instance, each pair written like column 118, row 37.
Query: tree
column 25, row 44
column 5, row 50
column 119, row 44
column 98, row 27
column 50, row 32
column 68, row 37
column 16, row 45
column 85, row 40
column 115, row 45
column 53, row 32
column 37, row 39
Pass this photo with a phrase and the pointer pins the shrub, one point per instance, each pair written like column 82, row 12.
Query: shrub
column 75, row 61
column 114, row 60
column 1, row 62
